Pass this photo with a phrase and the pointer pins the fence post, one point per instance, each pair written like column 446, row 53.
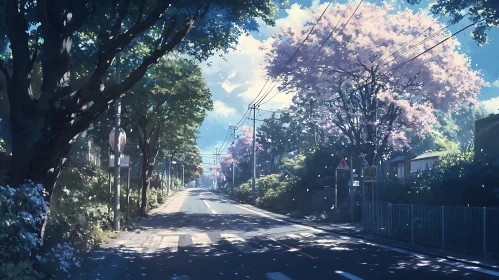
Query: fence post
column 443, row 227
column 412, row 222
column 390, row 220
column 484, row 231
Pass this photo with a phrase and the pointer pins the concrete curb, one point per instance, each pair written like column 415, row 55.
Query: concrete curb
column 367, row 238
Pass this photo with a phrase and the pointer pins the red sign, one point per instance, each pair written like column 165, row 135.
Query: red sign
column 343, row 165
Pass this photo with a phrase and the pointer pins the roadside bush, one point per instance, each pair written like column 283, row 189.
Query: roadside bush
column 275, row 194
column 243, row 194
column 20, row 210
column 456, row 180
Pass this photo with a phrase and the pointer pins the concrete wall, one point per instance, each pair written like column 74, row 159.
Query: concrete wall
column 487, row 138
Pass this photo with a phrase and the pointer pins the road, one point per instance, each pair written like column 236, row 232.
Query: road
column 209, row 237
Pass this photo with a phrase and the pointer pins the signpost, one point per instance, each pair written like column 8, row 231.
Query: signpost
column 343, row 166
column 370, row 174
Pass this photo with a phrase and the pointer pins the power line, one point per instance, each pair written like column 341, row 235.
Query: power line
column 294, row 54
column 351, row 16
column 330, row 34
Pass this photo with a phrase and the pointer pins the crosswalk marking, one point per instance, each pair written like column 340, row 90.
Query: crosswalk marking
column 238, row 243
column 232, row 238
column 200, row 239
column 307, row 234
column 169, row 241
column 294, row 236
column 276, row 276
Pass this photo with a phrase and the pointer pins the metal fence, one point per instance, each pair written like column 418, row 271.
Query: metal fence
column 473, row 230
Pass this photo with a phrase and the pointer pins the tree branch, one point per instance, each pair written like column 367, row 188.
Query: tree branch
column 78, row 22
column 108, row 52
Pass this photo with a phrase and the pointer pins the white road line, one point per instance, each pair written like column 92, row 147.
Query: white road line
column 207, row 205
column 201, row 239
column 279, row 220
column 422, row 256
column 213, row 211
column 353, row 239
column 169, row 242
column 238, row 243
column 276, row 276
column 347, row 275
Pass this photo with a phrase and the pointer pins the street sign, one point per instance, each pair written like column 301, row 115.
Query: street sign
column 124, row 160
column 370, row 174
column 356, row 183
column 343, row 165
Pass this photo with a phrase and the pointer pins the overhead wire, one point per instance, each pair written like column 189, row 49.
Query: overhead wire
column 294, row 54
column 330, row 34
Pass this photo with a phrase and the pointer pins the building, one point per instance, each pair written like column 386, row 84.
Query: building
column 486, row 135
column 425, row 161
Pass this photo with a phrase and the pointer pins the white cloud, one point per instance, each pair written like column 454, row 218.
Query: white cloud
column 228, row 87
column 491, row 106
column 221, row 109
column 495, row 83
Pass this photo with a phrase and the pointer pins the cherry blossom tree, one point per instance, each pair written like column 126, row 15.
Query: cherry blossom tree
column 370, row 81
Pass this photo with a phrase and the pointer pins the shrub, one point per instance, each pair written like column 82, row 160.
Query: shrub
column 243, row 194
column 20, row 211
column 274, row 194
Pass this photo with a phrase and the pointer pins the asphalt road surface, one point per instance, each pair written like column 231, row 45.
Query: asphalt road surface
column 212, row 238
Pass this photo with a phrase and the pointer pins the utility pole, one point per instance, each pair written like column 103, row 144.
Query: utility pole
column 216, row 164
column 117, row 124
column 183, row 177
column 351, row 187
column 233, row 129
column 253, row 185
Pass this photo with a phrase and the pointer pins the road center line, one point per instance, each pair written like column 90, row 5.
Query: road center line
column 292, row 249
column 347, row 275
column 213, row 211
column 207, row 205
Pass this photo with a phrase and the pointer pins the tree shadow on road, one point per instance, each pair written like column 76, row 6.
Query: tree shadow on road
column 208, row 222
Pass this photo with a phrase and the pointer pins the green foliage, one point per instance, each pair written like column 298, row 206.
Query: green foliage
column 456, row 180
column 274, row 193
column 243, row 193
column 23, row 270
column 20, row 210
column 79, row 208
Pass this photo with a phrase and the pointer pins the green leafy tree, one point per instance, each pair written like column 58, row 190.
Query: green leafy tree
column 485, row 14
column 165, row 107
column 276, row 139
column 95, row 33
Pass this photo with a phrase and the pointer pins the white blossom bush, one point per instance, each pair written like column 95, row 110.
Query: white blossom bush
column 61, row 259
column 21, row 210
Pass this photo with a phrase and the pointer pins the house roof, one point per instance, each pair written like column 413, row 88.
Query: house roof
column 395, row 159
column 430, row 155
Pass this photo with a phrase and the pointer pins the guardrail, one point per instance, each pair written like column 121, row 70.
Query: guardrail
column 473, row 230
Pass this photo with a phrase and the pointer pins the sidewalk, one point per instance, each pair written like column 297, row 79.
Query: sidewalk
column 146, row 237
column 355, row 230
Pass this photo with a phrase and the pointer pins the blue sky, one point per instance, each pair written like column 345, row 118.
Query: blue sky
column 236, row 80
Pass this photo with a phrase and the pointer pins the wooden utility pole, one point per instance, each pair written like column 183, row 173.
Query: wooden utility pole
column 233, row 129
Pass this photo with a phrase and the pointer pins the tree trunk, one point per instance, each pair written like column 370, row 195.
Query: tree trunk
column 146, row 184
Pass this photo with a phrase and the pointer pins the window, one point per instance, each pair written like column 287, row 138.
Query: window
column 400, row 170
